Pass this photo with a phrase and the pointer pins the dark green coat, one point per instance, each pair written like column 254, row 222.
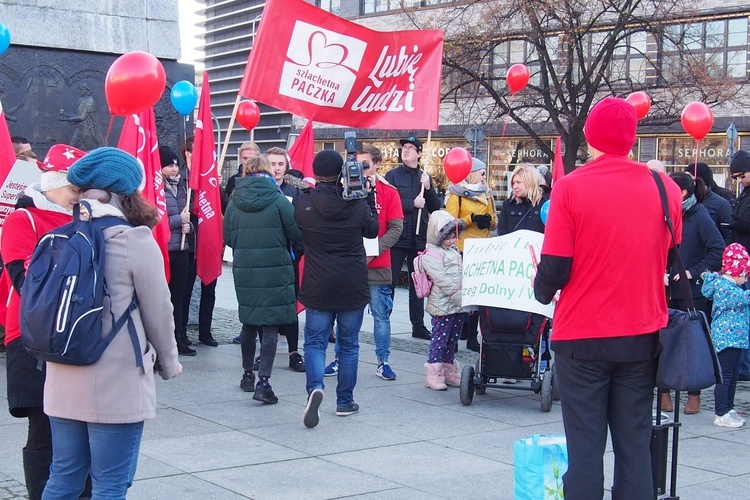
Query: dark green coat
column 258, row 225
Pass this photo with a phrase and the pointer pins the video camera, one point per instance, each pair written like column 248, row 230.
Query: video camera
column 352, row 173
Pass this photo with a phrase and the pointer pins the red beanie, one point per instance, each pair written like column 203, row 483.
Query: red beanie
column 610, row 126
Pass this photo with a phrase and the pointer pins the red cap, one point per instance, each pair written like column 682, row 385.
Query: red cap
column 60, row 157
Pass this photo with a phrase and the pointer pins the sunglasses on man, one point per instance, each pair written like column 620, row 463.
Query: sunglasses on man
column 738, row 176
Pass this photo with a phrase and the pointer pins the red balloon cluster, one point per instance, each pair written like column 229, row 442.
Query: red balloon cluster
column 697, row 119
column 248, row 114
column 641, row 102
column 457, row 164
column 134, row 83
column 517, row 77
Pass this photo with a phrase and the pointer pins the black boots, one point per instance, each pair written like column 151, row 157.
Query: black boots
column 182, row 346
column 420, row 332
column 207, row 339
column 36, row 471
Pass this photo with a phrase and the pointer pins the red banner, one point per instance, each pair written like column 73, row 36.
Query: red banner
column 205, row 182
column 7, row 155
column 302, row 151
column 138, row 137
column 310, row 62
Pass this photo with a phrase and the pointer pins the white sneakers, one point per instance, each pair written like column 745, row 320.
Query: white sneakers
column 730, row 419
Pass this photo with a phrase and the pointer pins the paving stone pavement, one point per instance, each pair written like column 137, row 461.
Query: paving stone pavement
column 210, row 440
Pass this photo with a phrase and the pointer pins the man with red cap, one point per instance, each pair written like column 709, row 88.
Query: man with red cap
column 610, row 271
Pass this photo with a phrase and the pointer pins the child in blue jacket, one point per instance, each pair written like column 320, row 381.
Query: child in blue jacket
column 729, row 327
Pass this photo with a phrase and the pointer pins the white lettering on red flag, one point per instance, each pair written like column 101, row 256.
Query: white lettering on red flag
column 314, row 64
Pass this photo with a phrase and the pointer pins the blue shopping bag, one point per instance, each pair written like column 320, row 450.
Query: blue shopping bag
column 539, row 464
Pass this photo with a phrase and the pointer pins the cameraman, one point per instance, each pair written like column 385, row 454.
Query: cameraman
column 334, row 282
column 409, row 179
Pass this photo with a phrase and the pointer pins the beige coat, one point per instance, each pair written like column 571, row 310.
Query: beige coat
column 445, row 271
column 114, row 389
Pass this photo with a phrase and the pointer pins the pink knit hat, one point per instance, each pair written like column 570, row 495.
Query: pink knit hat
column 735, row 261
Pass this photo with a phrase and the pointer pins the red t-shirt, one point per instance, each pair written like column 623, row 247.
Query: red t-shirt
column 18, row 242
column 607, row 216
column 388, row 204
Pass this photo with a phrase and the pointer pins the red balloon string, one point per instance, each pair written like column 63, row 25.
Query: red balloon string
column 109, row 129
column 697, row 154
column 505, row 121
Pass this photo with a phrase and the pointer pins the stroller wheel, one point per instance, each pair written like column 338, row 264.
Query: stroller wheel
column 480, row 388
column 555, row 385
column 467, row 385
column 546, row 391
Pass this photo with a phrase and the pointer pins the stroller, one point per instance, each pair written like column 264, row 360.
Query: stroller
column 515, row 345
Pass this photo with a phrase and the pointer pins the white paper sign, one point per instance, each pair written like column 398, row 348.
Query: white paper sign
column 19, row 178
column 497, row 272
column 372, row 247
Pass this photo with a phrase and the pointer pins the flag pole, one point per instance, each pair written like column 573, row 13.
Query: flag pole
column 229, row 132
column 421, row 191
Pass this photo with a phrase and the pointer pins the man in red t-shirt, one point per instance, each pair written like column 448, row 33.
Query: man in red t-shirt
column 391, row 220
column 606, row 247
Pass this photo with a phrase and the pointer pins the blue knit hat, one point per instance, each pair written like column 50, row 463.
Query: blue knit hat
column 110, row 169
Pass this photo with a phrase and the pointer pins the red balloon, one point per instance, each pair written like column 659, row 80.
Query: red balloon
column 517, row 77
column 134, row 83
column 457, row 164
column 248, row 114
column 641, row 102
column 697, row 119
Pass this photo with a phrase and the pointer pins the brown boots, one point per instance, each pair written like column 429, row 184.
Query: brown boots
column 666, row 402
column 692, row 406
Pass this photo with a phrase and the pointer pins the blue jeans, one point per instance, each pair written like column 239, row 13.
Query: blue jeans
column 381, row 305
column 110, row 451
column 317, row 329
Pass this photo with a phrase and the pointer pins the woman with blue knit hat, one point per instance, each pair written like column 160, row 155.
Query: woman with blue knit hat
column 97, row 411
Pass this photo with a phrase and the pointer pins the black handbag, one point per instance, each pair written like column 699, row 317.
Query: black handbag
column 687, row 358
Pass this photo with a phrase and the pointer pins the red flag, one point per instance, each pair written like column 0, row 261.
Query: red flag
column 138, row 138
column 310, row 62
column 7, row 155
column 558, row 169
column 205, row 181
column 302, row 151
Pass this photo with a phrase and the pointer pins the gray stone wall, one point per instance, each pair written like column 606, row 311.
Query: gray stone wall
column 109, row 26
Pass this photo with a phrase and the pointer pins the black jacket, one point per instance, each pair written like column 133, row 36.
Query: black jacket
column 514, row 216
column 701, row 250
column 741, row 219
column 335, row 272
column 720, row 211
column 408, row 182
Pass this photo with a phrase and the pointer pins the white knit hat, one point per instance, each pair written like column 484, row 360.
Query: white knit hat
column 53, row 180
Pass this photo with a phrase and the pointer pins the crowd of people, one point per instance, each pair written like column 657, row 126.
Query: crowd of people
column 84, row 439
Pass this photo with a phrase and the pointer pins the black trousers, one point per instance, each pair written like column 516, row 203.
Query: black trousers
column 178, row 269
column 600, row 394
column 207, row 302
column 416, row 305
